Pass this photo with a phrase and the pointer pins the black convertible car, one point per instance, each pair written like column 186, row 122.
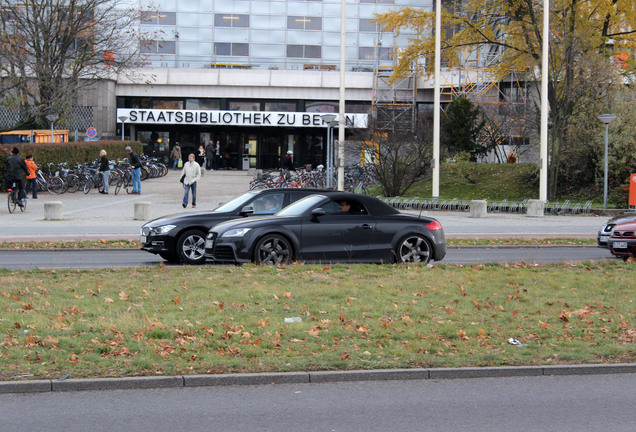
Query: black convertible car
column 328, row 227
column 181, row 237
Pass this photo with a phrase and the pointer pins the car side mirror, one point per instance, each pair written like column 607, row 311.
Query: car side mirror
column 246, row 211
column 315, row 213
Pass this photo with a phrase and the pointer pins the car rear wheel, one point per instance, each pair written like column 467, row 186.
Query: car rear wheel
column 191, row 247
column 414, row 249
column 273, row 249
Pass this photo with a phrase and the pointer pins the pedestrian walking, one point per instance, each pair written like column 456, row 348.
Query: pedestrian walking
column 216, row 163
column 209, row 155
column 104, row 170
column 31, row 183
column 175, row 154
column 289, row 161
column 135, row 163
column 191, row 173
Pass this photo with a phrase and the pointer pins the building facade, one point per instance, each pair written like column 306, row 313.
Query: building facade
column 275, row 62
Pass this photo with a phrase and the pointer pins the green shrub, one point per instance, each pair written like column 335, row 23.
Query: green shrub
column 71, row 152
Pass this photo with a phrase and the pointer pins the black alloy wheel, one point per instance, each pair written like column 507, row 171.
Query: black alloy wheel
column 414, row 249
column 273, row 249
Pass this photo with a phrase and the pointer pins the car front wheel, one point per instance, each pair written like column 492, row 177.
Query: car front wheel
column 414, row 249
column 273, row 250
column 191, row 247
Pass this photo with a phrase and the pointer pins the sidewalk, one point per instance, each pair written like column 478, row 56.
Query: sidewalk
column 96, row 216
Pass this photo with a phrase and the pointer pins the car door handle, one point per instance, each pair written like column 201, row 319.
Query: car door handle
column 367, row 226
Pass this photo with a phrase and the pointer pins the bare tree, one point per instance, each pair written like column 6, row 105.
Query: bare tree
column 401, row 157
column 50, row 49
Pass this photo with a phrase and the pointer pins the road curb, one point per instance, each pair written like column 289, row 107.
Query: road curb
column 140, row 383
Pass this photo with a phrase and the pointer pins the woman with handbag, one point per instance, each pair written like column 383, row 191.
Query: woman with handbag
column 176, row 155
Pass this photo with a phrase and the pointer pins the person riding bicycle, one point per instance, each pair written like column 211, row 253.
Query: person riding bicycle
column 14, row 175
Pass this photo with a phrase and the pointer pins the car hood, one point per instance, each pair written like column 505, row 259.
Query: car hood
column 186, row 219
column 627, row 226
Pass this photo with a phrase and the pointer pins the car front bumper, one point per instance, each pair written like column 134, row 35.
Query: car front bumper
column 622, row 247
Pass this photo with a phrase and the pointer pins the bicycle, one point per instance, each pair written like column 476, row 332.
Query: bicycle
column 93, row 180
column 124, row 181
column 13, row 199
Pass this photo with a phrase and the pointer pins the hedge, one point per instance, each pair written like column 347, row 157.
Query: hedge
column 71, row 152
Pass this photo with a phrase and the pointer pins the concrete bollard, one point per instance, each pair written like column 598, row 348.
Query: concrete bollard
column 53, row 210
column 535, row 208
column 143, row 210
column 478, row 208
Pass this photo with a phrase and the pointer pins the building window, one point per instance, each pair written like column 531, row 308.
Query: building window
column 367, row 25
column 321, row 106
column 378, row 1
column 231, row 20
column 369, row 53
column 244, row 106
column 167, row 104
column 304, row 23
column 304, row 51
column 280, row 106
column 158, row 47
column 231, row 49
column 158, row 18
column 203, row 104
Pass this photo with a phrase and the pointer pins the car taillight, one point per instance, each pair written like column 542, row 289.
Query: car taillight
column 435, row 225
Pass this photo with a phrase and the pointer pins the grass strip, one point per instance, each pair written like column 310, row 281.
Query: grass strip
column 134, row 244
column 211, row 319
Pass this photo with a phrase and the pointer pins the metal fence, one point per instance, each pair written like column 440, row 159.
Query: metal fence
column 500, row 206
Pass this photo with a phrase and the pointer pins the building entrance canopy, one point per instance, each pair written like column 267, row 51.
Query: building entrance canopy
column 235, row 118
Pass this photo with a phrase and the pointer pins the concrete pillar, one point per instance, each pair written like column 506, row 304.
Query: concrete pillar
column 53, row 210
column 143, row 210
column 535, row 208
column 478, row 208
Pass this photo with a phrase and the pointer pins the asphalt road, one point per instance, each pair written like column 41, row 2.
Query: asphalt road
column 114, row 258
column 548, row 403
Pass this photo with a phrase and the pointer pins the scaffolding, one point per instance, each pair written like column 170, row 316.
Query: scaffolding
column 394, row 101
column 505, row 102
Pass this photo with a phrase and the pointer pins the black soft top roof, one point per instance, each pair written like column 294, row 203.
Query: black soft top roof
column 374, row 205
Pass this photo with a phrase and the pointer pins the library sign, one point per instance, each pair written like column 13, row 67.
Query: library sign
column 234, row 118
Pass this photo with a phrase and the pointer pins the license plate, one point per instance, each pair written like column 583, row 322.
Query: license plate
column 143, row 239
column 604, row 239
column 619, row 245
column 209, row 244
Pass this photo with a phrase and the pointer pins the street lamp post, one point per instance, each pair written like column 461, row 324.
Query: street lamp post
column 607, row 119
column 122, row 119
column 330, row 120
column 51, row 118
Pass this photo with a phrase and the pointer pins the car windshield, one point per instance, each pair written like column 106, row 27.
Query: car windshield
column 236, row 203
column 301, row 206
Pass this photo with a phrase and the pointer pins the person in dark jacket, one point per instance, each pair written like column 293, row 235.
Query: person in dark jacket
column 15, row 167
column 104, row 170
column 209, row 155
column 135, row 163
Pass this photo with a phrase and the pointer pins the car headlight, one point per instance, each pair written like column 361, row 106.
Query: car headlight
column 239, row 232
column 165, row 229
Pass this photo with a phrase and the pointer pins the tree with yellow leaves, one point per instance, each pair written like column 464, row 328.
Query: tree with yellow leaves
column 583, row 35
